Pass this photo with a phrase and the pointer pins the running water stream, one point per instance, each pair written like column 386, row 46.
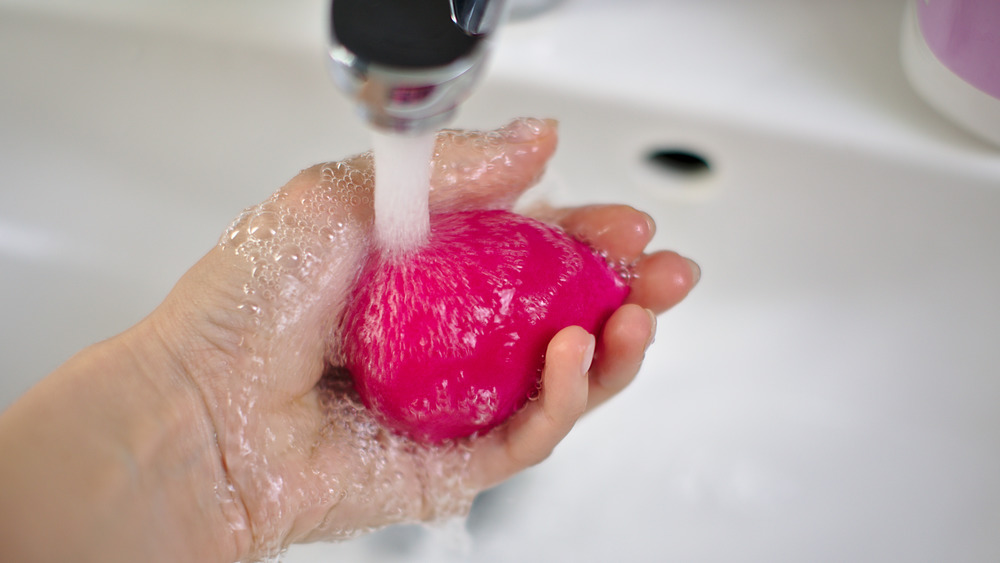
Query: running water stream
column 402, row 175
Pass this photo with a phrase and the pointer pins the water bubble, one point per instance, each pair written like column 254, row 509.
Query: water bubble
column 263, row 226
column 333, row 172
column 494, row 140
column 289, row 257
column 249, row 307
column 236, row 236
column 327, row 234
column 524, row 129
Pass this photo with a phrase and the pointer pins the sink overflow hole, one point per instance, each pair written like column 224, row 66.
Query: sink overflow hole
column 678, row 161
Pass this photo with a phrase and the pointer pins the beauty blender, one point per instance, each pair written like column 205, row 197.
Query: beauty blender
column 449, row 340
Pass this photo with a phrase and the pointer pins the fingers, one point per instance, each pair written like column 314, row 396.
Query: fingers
column 531, row 435
column 491, row 169
column 620, row 231
column 620, row 351
column 568, row 391
column 661, row 280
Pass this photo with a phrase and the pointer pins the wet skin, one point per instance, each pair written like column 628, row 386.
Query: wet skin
column 221, row 428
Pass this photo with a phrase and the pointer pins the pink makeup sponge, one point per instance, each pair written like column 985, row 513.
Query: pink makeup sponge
column 450, row 340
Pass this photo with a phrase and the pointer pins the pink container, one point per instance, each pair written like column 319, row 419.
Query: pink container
column 951, row 53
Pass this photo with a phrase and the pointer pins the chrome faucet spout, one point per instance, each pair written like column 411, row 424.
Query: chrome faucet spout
column 409, row 63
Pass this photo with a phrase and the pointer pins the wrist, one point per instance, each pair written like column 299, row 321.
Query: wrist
column 174, row 446
column 112, row 458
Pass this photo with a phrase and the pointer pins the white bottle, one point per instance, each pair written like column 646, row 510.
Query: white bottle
column 951, row 54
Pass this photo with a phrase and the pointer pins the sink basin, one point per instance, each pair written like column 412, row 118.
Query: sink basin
column 830, row 390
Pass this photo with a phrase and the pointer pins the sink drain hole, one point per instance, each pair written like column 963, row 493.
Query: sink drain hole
column 678, row 161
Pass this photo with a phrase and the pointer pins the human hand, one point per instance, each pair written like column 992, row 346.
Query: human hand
column 248, row 337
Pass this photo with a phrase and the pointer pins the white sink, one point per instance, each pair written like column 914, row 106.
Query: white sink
column 830, row 391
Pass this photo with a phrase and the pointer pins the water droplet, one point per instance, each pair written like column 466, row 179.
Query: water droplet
column 249, row 307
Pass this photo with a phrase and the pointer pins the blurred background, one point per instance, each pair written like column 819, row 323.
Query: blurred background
column 829, row 392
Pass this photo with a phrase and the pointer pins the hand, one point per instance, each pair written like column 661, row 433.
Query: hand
column 246, row 347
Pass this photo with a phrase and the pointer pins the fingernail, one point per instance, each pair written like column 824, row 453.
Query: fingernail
column 652, row 329
column 650, row 224
column 588, row 355
column 695, row 271
column 524, row 129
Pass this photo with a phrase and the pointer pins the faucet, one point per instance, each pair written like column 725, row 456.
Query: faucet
column 409, row 63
